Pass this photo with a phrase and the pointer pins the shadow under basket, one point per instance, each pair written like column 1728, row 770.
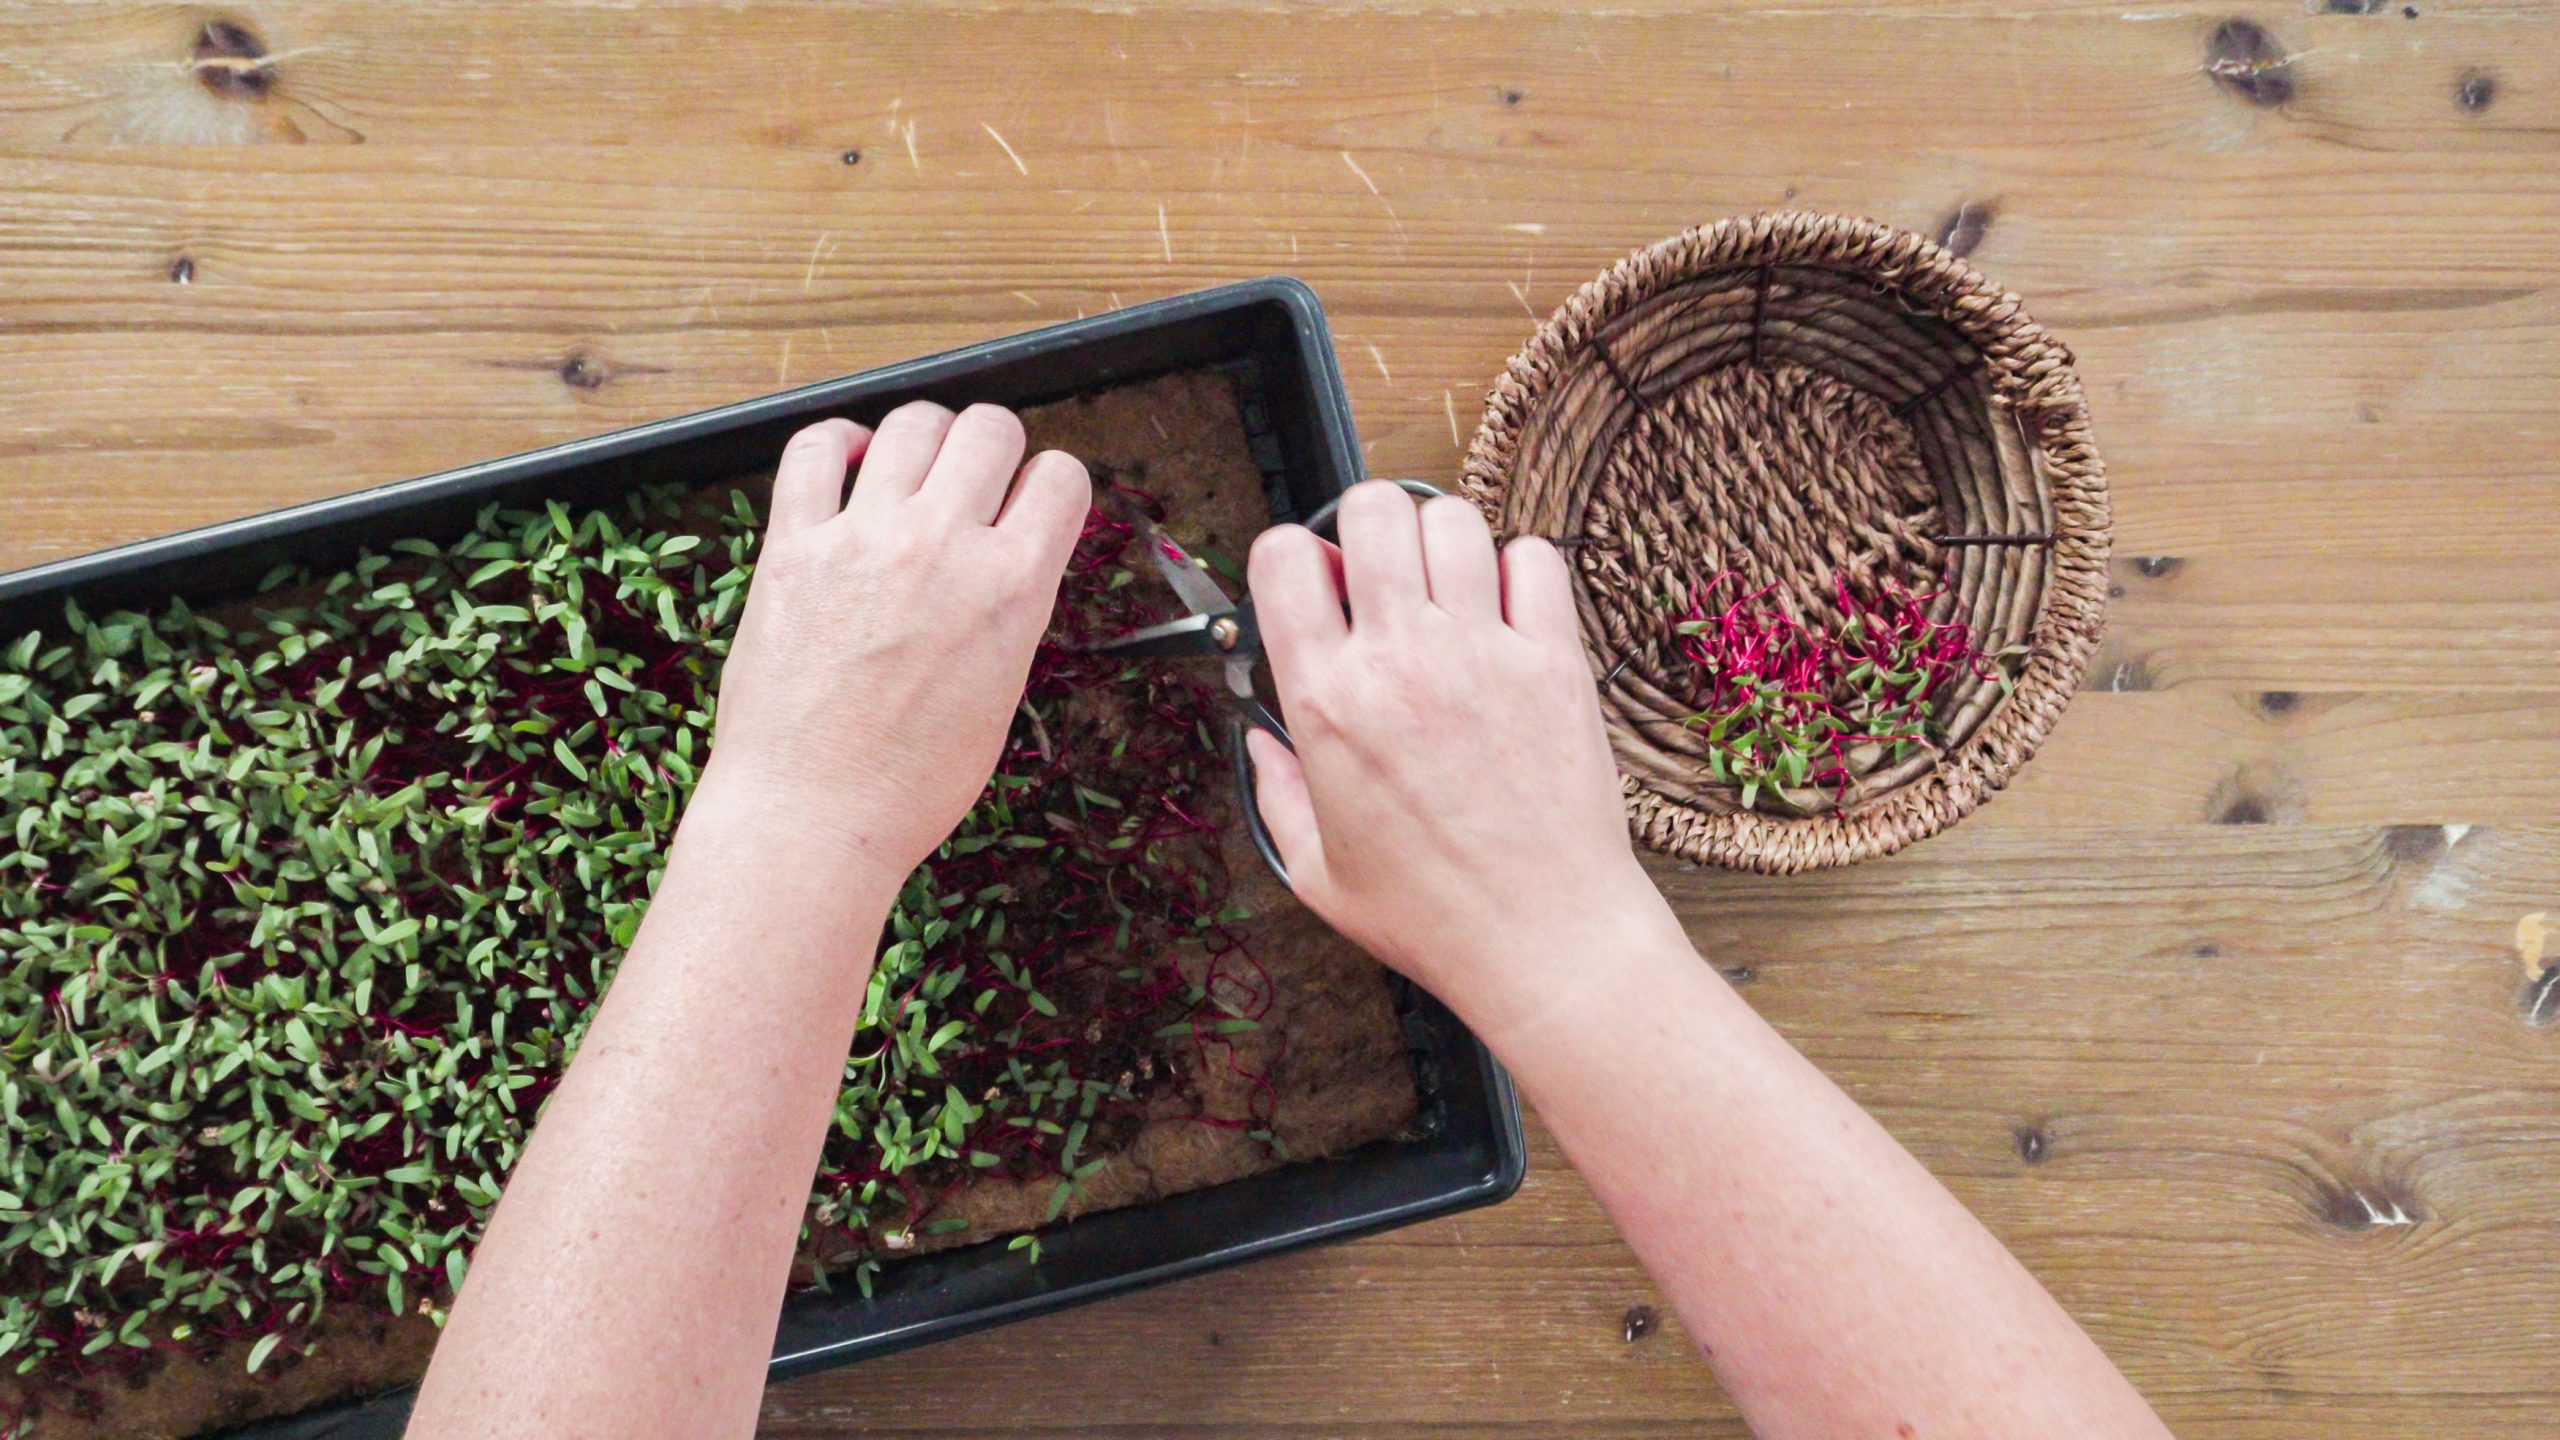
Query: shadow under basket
column 1800, row 403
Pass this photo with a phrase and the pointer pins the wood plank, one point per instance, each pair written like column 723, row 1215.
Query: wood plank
column 347, row 72
column 2254, row 1168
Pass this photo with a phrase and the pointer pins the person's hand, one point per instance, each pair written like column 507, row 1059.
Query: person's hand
column 1452, row 805
column 886, row 638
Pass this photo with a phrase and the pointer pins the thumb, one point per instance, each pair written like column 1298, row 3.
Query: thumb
column 1280, row 791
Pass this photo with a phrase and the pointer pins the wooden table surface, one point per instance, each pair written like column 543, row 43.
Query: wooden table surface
column 2230, row 1017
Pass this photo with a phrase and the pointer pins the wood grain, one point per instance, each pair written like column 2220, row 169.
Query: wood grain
column 2217, row 1016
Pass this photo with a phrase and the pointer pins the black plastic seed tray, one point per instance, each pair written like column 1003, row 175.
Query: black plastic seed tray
column 1466, row 1150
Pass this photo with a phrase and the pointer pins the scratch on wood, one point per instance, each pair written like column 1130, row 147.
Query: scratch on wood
column 1164, row 233
column 1380, row 357
column 1523, row 297
column 1007, row 149
column 1527, row 227
column 1393, row 219
column 782, row 369
column 907, row 132
column 809, row 274
column 1025, row 297
column 1449, row 403
column 2531, row 936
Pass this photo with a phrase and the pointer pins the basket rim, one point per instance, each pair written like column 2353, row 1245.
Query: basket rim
column 2032, row 377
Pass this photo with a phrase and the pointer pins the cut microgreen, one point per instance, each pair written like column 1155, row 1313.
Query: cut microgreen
column 304, row 906
column 1791, row 708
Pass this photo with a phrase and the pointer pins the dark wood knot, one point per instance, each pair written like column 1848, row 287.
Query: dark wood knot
column 231, row 61
column 1639, row 1322
column 2245, row 60
column 1965, row 226
column 579, row 372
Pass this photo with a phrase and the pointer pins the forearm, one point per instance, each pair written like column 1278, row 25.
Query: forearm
column 629, row 1282
column 1837, row 1288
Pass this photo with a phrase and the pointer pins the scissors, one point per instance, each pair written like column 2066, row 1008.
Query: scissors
column 1222, row 632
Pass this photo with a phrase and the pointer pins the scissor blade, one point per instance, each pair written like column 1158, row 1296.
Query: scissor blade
column 1239, row 673
column 1184, row 639
column 1191, row 585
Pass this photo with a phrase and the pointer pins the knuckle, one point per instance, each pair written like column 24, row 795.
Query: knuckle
column 1274, row 545
column 824, row 436
column 1054, row 490
column 1385, row 673
column 785, row 566
column 919, row 545
column 1376, row 497
column 1533, row 557
column 916, row 412
column 1452, row 510
column 1057, row 467
column 990, row 417
column 1318, row 709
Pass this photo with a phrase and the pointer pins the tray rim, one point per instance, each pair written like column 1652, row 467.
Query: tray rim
column 1320, row 370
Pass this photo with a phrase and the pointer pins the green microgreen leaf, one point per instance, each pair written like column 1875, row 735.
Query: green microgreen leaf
column 305, row 903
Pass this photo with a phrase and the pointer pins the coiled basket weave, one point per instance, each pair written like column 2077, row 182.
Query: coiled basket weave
column 1805, row 400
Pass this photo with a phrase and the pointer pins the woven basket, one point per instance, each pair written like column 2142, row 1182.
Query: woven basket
column 1805, row 399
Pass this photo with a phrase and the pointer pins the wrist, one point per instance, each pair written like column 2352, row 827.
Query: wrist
column 1618, row 942
column 764, row 837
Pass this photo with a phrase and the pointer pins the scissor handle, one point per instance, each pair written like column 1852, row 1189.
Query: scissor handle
column 1322, row 522
column 1238, row 727
column 1249, row 715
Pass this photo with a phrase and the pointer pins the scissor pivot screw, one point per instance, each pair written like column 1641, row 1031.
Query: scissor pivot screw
column 1224, row 632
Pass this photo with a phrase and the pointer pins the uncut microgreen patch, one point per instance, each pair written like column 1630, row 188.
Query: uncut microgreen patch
column 303, row 908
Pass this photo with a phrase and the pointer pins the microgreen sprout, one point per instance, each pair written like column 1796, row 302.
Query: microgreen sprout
column 1789, row 707
column 304, row 905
